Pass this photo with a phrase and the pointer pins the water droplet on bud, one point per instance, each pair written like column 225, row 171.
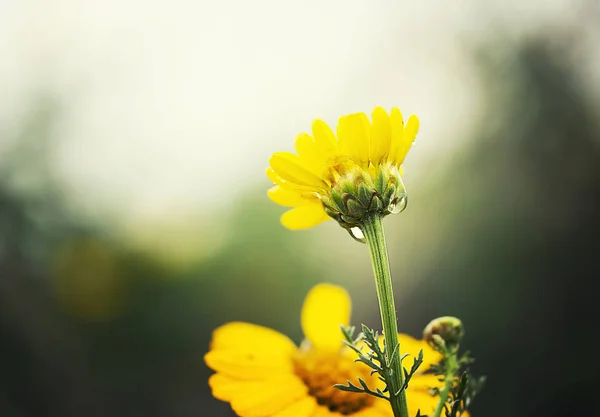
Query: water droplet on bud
column 399, row 206
column 357, row 234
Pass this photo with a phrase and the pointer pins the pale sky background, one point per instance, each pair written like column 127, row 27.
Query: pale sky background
column 169, row 105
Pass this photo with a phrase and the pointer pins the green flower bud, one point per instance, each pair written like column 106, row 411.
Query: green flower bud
column 444, row 334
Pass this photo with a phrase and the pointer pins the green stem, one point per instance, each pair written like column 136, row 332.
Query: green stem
column 372, row 228
column 451, row 368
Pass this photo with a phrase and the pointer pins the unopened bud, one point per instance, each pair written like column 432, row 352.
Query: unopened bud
column 444, row 333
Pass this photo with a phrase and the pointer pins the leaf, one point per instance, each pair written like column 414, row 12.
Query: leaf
column 350, row 387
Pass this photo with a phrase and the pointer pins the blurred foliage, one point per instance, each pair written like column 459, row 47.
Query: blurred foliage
column 517, row 249
column 90, row 326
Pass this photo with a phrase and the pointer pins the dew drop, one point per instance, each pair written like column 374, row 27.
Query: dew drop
column 357, row 234
column 400, row 206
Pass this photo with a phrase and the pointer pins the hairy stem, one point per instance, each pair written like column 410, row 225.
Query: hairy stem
column 451, row 365
column 372, row 228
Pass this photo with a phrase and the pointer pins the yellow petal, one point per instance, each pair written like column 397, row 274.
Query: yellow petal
column 424, row 382
column 289, row 167
column 326, row 307
column 419, row 393
column 287, row 197
column 418, row 400
column 381, row 135
column 303, row 144
column 304, row 217
column 412, row 346
column 224, row 388
column 246, row 351
column 264, row 400
column 305, row 407
column 397, row 126
column 277, row 180
column 310, row 153
column 410, row 133
column 250, row 337
column 247, row 365
column 316, row 152
column 353, row 133
column 259, row 398
column 375, row 412
column 323, row 411
column 324, row 138
column 273, row 176
column 384, row 407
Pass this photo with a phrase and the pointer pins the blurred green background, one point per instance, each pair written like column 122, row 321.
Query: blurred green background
column 133, row 209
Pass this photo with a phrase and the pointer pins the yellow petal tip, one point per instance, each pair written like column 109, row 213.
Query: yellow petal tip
column 326, row 308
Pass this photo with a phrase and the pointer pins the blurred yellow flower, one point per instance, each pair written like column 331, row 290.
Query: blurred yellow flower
column 263, row 374
column 314, row 180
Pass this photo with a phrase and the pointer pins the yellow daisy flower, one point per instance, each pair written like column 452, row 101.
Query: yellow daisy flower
column 262, row 373
column 344, row 177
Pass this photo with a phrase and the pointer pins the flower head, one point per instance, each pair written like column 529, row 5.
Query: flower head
column 262, row 373
column 347, row 176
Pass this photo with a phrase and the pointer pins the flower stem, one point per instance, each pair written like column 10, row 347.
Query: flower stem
column 372, row 228
column 451, row 365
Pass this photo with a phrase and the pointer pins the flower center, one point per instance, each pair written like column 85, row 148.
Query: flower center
column 320, row 370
